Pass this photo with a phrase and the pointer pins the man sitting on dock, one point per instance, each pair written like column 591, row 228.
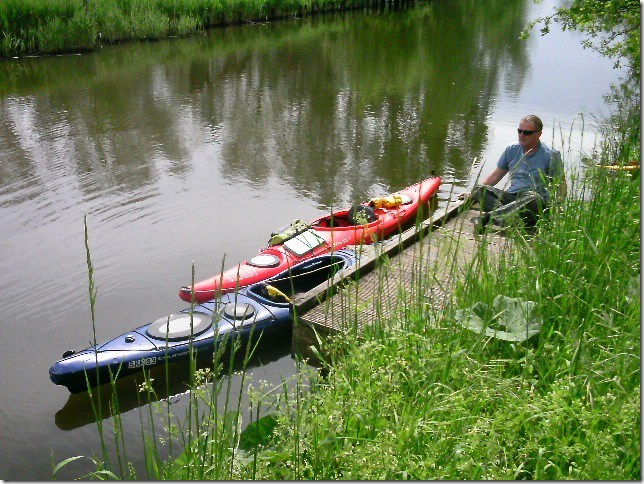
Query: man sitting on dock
column 532, row 167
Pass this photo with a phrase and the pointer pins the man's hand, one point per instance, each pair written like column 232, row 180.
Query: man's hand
column 464, row 195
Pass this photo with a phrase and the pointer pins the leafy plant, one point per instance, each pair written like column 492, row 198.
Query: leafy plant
column 613, row 27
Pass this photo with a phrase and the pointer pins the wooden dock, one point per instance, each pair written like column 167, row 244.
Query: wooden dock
column 387, row 278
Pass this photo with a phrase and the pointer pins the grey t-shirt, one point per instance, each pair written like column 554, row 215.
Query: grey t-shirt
column 532, row 172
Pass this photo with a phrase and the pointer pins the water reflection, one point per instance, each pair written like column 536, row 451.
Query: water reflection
column 79, row 410
column 332, row 105
column 197, row 149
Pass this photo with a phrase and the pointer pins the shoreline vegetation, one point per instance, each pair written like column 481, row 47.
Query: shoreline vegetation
column 43, row 27
column 431, row 399
column 418, row 398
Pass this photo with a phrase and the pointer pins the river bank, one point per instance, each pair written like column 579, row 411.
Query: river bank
column 436, row 401
column 196, row 149
column 33, row 27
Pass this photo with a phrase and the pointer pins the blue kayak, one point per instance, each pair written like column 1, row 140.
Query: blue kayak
column 262, row 309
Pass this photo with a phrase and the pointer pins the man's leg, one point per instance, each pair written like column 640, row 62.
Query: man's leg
column 488, row 197
column 528, row 205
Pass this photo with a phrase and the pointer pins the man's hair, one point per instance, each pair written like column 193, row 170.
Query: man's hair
column 531, row 118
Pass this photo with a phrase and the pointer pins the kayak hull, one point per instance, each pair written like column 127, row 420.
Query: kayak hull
column 243, row 316
column 326, row 234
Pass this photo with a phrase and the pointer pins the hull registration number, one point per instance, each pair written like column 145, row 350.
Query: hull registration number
column 142, row 362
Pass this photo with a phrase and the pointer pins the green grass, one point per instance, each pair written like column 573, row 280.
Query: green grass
column 420, row 397
column 62, row 26
column 430, row 400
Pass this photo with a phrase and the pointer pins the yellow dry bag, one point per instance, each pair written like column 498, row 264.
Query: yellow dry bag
column 390, row 201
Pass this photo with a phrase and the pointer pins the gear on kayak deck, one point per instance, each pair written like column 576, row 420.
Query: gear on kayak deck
column 361, row 215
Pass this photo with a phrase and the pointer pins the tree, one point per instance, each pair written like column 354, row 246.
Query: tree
column 613, row 28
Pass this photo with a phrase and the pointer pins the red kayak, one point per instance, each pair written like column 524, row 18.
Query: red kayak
column 373, row 220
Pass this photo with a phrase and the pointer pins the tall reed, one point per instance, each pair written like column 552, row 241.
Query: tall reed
column 59, row 26
column 420, row 397
column 433, row 400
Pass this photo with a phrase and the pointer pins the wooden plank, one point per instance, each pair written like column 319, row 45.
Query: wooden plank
column 370, row 254
column 362, row 296
column 319, row 323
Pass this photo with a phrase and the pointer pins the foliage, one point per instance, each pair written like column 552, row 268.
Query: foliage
column 435, row 402
column 613, row 27
column 54, row 26
column 432, row 401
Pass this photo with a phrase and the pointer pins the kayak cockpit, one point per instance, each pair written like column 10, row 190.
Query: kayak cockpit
column 357, row 215
column 298, row 280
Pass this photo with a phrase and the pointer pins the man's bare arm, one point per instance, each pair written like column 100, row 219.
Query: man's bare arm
column 495, row 177
column 492, row 179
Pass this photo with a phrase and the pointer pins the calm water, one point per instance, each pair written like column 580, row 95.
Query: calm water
column 196, row 149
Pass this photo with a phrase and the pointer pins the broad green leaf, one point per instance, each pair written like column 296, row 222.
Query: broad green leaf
column 511, row 320
column 258, row 433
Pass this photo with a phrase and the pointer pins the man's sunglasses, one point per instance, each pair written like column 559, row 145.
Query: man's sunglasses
column 527, row 132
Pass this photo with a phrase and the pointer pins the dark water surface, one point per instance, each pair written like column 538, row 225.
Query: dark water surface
column 195, row 149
